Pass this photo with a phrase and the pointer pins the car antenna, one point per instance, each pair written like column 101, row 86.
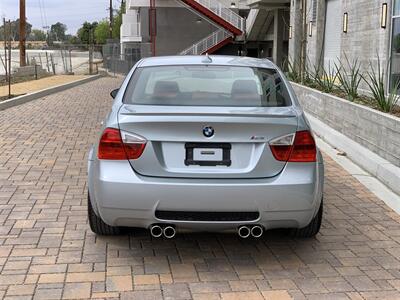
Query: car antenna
column 207, row 59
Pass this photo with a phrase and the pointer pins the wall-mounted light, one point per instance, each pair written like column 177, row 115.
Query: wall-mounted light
column 290, row 32
column 345, row 22
column 310, row 25
column 384, row 15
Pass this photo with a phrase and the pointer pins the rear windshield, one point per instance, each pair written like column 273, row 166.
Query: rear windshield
column 207, row 86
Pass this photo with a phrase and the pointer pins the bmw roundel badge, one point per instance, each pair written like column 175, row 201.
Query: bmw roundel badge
column 208, row 131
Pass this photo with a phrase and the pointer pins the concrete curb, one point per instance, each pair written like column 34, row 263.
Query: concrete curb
column 378, row 167
column 370, row 182
column 35, row 95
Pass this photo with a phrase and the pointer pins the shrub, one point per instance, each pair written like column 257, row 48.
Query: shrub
column 376, row 83
column 293, row 72
column 349, row 81
column 325, row 80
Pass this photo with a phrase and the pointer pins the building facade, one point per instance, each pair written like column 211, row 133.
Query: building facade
column 254, row 28
column 329, row 31
column 334, row 31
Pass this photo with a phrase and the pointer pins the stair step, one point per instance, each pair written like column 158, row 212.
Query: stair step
column 214, row 17
column 218, row 46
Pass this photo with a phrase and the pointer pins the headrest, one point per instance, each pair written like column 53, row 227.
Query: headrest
column 165, row 88
column 244, row 87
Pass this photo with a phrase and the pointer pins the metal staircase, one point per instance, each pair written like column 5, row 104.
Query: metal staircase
column 230, row 23
column 210, row 43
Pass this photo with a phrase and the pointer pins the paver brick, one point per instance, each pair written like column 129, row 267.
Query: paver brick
column 119, row 283
column 276, row 295
column 77, row 290
column 52, row 278
column 146, row 279
column 20, row 290
column 48, row 252
column 242, row 296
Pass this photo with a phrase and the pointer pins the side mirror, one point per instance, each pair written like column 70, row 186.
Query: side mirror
column 114, row 93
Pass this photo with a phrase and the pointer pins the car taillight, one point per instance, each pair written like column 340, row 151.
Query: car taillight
column 120, row 145
column 282, row 147
column 296, row 147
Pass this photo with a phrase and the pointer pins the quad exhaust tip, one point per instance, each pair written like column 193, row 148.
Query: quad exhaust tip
column 169, row 232
column 256, row 231
column 156, row 231
column 159, row 230
column 244, row 232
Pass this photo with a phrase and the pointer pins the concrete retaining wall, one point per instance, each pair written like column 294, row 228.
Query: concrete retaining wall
column 376, row 131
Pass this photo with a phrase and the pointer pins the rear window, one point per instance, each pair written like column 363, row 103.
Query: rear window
column 207, row 86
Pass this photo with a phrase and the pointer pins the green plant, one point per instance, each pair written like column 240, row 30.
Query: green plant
column 325, row 80
column 293, row 72
column 393, row 97
column 349, row 81
column 376, row 83
column 309, row 76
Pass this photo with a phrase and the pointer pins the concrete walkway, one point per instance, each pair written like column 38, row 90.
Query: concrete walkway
column 48, row 252
column 37, row 85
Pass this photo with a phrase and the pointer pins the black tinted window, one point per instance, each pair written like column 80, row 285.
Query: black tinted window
column 207, row 86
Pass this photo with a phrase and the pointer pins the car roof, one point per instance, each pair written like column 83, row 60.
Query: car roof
column 218, row 60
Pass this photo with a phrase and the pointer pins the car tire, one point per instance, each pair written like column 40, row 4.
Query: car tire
column 97, row 225
column 311, row 229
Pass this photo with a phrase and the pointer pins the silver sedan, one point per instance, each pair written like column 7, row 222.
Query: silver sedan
column 208, row 143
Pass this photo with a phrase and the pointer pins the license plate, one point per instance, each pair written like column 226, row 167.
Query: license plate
column 208, row 154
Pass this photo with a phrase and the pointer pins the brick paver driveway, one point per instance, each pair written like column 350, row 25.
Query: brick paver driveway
column 48, row 252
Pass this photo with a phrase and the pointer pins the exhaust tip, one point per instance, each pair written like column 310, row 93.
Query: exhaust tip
column 244, row 232
column 156, row 231
column 257, row 231
column 169, row 232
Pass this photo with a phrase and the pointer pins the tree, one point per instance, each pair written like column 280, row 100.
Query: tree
column 73, row 39
column 118, row 21
column 37, row 35
column 15, row 30
column 86, row 32
column 57, row 32
column 101, row 32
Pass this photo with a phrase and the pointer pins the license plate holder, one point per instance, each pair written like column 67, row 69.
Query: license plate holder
column 205, row 149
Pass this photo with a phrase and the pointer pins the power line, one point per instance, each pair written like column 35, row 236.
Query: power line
column 41, row 13
column 44, row 13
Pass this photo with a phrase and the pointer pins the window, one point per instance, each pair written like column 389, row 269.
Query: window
column 201, row 85
column 395, row 51
column 396, row 8
column 314, row 11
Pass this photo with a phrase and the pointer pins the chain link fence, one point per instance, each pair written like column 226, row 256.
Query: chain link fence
column 120, row 60
column 64, row 59
column 69, row 59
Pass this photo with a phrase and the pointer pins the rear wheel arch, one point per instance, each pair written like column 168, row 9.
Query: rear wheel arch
column 97, row 225
column 312, row 228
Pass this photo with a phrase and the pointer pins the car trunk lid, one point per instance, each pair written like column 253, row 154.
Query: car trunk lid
column 178, row 146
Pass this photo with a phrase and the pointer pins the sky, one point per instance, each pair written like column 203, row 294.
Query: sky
column 73, row 13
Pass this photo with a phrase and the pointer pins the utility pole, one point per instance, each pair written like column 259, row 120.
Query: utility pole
column 153, row 26
column 22, row 33
column 91, row 33
column 9, row 59
column 5, row 47
column 303, row 59
column 111, row 19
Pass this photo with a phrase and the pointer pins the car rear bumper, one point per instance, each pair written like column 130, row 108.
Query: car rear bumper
column 123, row 198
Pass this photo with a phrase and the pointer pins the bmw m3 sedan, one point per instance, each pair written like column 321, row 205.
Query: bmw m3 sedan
column 205, row 143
